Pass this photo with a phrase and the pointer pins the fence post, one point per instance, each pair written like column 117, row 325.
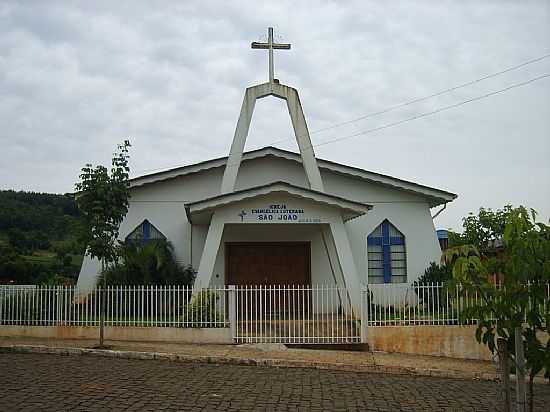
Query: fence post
column 232, row 303
column 102, row 302
column 364, row 313
column 521, row 398
column 58, row 305
column 2, row 299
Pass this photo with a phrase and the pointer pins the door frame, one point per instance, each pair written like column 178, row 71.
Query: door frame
column 227, row 245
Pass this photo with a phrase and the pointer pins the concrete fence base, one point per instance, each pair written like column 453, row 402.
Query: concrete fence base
column 450, row 341
column 136, row 334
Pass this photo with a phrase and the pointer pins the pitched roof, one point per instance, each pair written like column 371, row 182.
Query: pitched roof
column 350, row 209
column 438, row 196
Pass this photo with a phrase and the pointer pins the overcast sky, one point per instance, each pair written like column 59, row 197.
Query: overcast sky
column 76, row 78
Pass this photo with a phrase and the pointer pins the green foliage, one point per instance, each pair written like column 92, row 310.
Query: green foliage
column 522, row 299
column 20, row 269
column 439, row 274
column 202, row 309
column 52, row 215
column 32, row 226
column 152, row 263
column 484, row 230
column 435, row 273
column 103, row 200
column 27, row 242
column 456, row 239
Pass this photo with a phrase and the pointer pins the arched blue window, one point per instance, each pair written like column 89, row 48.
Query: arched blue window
column 387, row 257
column 144, row 233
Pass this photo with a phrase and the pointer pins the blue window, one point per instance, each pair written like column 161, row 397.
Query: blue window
column 387, row 257
column 144, row 233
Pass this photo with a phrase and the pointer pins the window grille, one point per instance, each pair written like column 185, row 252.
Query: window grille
column 144, row 233
column 387, row 257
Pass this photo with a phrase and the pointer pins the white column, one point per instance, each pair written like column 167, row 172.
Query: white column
column 333, row 255
column 239, row 140
column 304, row 141
column 347, row 264
column 210, row 252
column 298, row 123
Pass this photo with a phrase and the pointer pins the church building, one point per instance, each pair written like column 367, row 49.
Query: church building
column 276, row 217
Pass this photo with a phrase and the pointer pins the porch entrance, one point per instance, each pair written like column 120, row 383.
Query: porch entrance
column 253, row 266
column 268, row 263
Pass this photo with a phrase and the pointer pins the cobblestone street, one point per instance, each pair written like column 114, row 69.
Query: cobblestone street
column 44, row 382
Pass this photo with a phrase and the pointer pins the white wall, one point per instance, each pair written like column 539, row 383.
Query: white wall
column 413, row 220
column 162, row 203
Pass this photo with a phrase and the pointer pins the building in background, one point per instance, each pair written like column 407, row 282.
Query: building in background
column 443, row 237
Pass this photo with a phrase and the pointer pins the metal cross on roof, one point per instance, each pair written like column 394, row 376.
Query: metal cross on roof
column 270, row 45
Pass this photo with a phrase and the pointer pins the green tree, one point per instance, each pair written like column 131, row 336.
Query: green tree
column 103, row 200
column 484, row 230
column 521, row 300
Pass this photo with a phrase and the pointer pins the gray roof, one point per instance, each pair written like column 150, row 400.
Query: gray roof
column 438, row 196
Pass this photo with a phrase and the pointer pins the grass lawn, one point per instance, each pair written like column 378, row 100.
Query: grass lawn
column 48, row 258
column 44, row 259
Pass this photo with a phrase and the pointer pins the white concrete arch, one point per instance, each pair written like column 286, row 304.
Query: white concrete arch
column 290, row 95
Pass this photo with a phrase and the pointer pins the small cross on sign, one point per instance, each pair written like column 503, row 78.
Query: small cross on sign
column 270, row 45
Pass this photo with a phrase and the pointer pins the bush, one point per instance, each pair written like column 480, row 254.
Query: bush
column 435, row 273
column 152, row 263
column 202, row 311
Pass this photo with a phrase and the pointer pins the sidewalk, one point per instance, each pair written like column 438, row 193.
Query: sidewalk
column 265, row 355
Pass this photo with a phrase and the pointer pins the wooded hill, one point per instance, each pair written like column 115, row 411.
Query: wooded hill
column 39, row 238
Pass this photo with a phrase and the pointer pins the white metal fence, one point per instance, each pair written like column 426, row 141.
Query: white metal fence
column 424, row 304
column 256, row 314
column 176, row 306
column 292, row 314
column 295, row 314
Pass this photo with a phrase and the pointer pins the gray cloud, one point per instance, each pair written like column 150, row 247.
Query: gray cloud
column 76, row 78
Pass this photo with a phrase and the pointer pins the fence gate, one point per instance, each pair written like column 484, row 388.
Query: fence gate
column 293, row 315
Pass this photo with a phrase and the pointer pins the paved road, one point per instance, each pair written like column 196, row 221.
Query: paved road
column 52, row 382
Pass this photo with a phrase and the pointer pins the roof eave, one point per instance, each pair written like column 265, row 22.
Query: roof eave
column 352, row 208
column 377, row 178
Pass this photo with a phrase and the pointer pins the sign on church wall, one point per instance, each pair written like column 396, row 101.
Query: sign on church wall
column 277, row 213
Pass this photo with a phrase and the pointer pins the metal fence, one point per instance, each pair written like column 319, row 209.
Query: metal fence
column 256, row 314
column 176, row 306
column 421, row 304
column 290, row 314
column 295, row 314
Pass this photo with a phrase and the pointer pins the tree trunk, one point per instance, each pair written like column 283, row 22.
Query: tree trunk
column 504, row 373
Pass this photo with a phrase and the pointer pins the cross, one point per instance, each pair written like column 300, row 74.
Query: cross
column 270, row 45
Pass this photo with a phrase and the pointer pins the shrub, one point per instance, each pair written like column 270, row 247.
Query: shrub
column 152, row 263
column 203, row 309
column 434, row 273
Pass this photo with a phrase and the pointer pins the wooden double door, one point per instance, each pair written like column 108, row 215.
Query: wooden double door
column 268, row 263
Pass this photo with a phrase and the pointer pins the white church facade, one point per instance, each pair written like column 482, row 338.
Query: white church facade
column 275, row 217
